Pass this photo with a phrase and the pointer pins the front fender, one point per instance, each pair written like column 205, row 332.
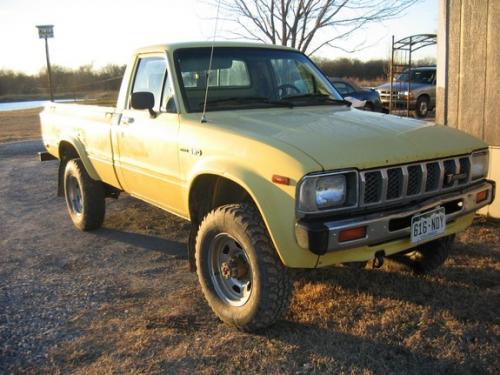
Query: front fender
column 276, row 204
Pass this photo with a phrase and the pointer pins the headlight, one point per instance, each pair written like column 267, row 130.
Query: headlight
column 479, row 164
column 406, row 93
column 330, row 191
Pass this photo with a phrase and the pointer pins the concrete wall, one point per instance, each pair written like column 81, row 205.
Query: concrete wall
column 468, row 82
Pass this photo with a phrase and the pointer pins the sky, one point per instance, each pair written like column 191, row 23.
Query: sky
column 99, row 32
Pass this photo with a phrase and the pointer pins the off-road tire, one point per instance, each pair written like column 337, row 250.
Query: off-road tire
column 419, row 110
column 92, row 192
column 271, row 284
column 429, row 256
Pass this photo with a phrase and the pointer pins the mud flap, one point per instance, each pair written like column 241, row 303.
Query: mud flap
column 192, row 247
column 60, row 178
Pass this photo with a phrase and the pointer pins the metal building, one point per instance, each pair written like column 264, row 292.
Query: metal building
column 468, row 80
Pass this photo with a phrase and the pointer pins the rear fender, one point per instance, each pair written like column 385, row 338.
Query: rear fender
column 78, row 148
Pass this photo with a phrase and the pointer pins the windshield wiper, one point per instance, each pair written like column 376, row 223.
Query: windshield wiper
column 249, row 99
column 319, row 97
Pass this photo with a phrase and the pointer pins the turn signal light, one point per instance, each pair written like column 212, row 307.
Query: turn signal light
column 282, row 180
column 352, row 234
column 481, row 196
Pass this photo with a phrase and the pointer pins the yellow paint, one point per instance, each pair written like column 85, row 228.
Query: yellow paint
column 158, row 159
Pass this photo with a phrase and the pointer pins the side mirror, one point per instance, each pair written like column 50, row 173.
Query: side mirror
column 143, row 100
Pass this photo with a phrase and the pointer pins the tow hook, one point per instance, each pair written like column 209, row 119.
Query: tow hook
column 378, row 261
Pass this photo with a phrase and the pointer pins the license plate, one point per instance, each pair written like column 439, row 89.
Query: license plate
column 428, row 225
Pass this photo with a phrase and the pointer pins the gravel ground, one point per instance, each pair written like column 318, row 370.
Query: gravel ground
column 47, row 277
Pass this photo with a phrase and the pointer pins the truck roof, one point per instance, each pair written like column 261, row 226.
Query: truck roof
column 201, row 44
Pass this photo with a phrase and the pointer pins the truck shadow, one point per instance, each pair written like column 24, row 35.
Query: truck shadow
column 145, row 242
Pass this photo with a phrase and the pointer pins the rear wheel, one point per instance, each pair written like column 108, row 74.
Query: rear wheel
column 241, row 276
column 84, row 197
column 427, row 257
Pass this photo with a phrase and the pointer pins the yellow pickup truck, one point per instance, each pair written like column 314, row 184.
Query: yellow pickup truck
column 253, row 145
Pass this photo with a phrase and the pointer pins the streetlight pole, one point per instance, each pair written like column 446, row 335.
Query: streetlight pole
column 45, row 32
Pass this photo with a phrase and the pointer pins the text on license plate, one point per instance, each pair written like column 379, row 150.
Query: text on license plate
column 427, row 225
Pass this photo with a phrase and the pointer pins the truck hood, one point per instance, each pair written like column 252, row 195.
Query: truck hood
column 339, row 137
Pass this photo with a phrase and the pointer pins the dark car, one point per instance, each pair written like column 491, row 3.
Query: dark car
column 349, row 89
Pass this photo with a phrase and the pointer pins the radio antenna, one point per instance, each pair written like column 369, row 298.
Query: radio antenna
column 204, row 113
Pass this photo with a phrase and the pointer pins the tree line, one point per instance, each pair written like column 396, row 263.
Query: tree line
column 372, row 70
column 68, row 83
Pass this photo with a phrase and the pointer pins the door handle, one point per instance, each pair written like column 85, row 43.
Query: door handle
column 127, row 120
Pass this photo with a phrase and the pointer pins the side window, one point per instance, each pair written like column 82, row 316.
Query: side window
column 149, row 77
column 234, row 73
column 349, row 88
column 235, row 76
column 341, row 87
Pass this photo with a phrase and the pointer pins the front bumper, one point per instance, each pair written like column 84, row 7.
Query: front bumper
column 321, row 237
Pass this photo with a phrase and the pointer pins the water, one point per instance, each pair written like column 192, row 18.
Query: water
column 27, row 105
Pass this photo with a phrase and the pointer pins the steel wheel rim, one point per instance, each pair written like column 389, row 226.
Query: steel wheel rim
column 74, row 195
column 423, row 107
column 230, row 270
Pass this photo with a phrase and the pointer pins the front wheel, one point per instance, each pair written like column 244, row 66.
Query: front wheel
column 241, row 276
column 84, row 197
column 369, row 107
column 422, row 107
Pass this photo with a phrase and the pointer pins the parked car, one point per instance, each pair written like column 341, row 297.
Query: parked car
column 349, row 89
column 274, row 170
column 422, row 91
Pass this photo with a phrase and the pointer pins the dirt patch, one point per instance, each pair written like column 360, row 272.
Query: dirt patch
column 19, row 125
column 121, row 300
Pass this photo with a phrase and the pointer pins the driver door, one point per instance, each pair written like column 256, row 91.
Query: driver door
column 148, row 145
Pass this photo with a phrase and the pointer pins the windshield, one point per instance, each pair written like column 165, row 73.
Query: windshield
column 418, row 76
column 243, row 78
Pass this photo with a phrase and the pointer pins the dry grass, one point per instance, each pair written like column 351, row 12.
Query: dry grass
column 19, row 125
column 341, row 320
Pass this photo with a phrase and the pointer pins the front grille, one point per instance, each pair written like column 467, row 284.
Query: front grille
column 386, row 94
column 413, row 180
column 433, row 176
column 394, row 183
column 373, row 186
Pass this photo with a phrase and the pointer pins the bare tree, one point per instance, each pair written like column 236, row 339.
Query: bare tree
column 307, row 25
